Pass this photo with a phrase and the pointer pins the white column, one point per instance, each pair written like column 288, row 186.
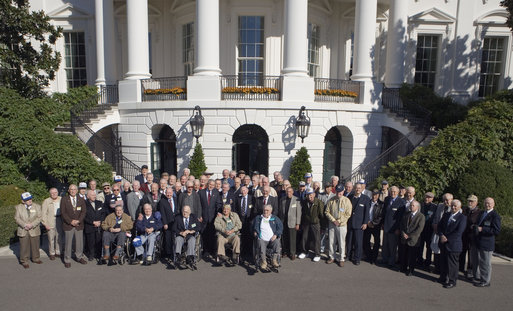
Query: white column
column 111, row 60
column 364, row 39
column 396, row 43
column 100, row 59
column 296, row 42
column 138, row 49
column 207, row 25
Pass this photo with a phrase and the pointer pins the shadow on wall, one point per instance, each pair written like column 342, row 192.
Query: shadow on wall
column 184, row 144
column 288, row 135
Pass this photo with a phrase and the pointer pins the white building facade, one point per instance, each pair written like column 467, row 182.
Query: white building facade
column 289, row 50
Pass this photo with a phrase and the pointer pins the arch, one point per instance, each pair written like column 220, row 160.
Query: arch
column 250, row 150
column 163, row 150
column 104, row 143
column 338, row 153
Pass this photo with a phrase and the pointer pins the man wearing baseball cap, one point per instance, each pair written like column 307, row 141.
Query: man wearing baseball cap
column 28, row 218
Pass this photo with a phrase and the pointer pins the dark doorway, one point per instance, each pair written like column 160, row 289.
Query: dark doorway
column 163, row 152
column 250, row 151
column 332, row 154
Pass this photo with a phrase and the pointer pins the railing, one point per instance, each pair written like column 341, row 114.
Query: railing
column 416, row 115
column 158, row 89
column 90, row 108
column 109, row 94
column 251, row 87
column 335, row 90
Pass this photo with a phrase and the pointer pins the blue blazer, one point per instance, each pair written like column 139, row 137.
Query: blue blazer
column 360, row 212
column 491, row 225
column 168, row 216
column 274, row 222
column 392, row 214
column 453, row 231
column 151, row 222
column 179, row 225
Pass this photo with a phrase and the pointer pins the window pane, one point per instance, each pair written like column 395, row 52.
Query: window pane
column 426, row 61
column 251, row 50
column 75, row 59
column 491, row 66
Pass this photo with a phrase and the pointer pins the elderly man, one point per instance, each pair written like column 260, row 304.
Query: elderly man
column 106, row 191
column 312, row 211
column 211, row 205
column 444, row 207
column 114, row 199
column 450, row 229
column 488, row 226
column 348, row 186
column 235, row 190
column 272, row 191
column 428, row 209
column 263, row 200
column 115, row 226
column 409, row 197
column 92, row 186
column 162, row 186
column 334, row 183
column 147, row 227
column 191, row 199
column 142, row 177
column 146, row 186
column 290, row 214
column 227, row 228
column 152, row 198
column 309, row 180
column 227, row 195
column 133, row 200
column 226, row 177
column 383, row 192
column 373, row 228
column 393, row 210
column 338, row 212
column 185, row 229
column 95, row 214
column 365, row 191
column 300, row 193
column 411, row 228
column 243, row 206
column 473, row 214
column 28, row 218
column 82, row 189
column 51, row 219
column 73, row 211
column 168, row 208
column 268, row 229
column 357, row 224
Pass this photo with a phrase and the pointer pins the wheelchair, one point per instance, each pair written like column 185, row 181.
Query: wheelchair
column 229, row 261
column 182, row 263
column 123, row 255
column 269, row 257
column 155, row 255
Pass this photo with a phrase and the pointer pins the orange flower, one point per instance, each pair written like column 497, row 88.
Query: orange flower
column 338, row 93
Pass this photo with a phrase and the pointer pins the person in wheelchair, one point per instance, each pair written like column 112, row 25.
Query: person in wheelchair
column 115, row 227
column 267, row 230
column 185, row 228
column 148, row 226
column 228, row 226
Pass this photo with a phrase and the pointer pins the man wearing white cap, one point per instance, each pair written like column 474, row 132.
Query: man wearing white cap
column 365, row 191
column 28, row 217
column 308, row 180
column 51, row 219
column 82, row 189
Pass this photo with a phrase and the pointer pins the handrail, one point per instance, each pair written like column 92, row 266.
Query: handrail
column 158, row 89
column 251, row 87
column 323, row 86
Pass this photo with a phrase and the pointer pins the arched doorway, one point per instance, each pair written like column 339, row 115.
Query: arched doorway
column 163, row 150
column 338, row 153
column 250, row 151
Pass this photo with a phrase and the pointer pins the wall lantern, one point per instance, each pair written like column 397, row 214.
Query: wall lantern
column 197, row 123
column 302, row 124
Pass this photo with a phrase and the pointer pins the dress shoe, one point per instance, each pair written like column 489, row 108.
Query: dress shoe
column 38, row 262
column 90, row 258
column 330, row 261
column 52, row 257
column 409, row 273
column 292, row 257
column 25, row 265
column 82, row 261
column 356, row 263
column 340, row 264
column 482, row 284
column 67, row 265
column 115, row 257
column 449, row 285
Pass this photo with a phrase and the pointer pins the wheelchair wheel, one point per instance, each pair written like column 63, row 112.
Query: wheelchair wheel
column 199, row 250
column 158, row 250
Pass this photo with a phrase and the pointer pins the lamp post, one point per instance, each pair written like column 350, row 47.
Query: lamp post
column 302, row 124
column 197, row 123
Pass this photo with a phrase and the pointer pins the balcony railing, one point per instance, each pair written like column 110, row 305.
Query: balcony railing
column 337, row 91
column 174, row 88
column 251, row 88
column 109, row 94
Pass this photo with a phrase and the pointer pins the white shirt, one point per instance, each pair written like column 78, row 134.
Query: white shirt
column 266, row 233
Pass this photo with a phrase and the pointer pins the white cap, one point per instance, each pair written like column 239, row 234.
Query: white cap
column 82, row 185
column 25, row 196
column 118, row 178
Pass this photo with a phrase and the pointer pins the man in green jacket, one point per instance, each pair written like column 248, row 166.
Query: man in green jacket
column 228, row 226
column 312, row 211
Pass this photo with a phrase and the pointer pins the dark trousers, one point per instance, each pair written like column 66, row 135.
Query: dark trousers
column 408, row 258
column 371, row 253
column 94, row 244
column 354, row 242
column 290, row 244
column 314, row 232
column 246, row 240
column 449, row 264
column 169, row 241
column 463, row 254
column 425, row 240
column 209, row 238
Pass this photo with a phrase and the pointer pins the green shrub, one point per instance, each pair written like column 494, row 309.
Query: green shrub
column 7, row 225
column 299, row 167
column 10, row 195
column 503, row 242
column 486, row 179
column 197, row 164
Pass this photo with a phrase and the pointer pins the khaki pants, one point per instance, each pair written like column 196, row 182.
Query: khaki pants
column 55, row 236
column 234, row 240
column 79, row 244
column 29, row 245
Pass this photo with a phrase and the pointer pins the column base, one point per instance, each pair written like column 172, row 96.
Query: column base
column 203, row 88
column 137, row 75
column 297, row 88
column 130, row 91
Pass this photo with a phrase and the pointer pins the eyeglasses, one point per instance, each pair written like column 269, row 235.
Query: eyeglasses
column 107, row 187
column 190, row 187
column 115, row 189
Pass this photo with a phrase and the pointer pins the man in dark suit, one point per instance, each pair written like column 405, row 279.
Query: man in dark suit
column 227, row 195
column 168, row 209
column 243, row 206
column 111, row 199
column 488, row 227
column 265, row 199
column 95, row 214
column 73, row 211
column 411, row 227
column 153, row 197
column 185, row 229
column 450, row 229
column 373, row 228
column 142, row 177
column 211, row 205
column 357, row 224
column 428, row 209
column 392, row 215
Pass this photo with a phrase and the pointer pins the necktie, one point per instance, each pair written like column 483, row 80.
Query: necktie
column 265, row 201
column 73, row 202
column 186, row 223
column 209, row 196
column 28, row 211
column 243, row 206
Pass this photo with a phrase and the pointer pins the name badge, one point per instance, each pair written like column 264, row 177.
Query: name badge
column 32, row 211
column 193, row 225
column 120, row 221
column 360, row 204
column 152, row 221
column 250, row 206
column 100, row 208
column 293, row 205
column 430, row 213
column 228, row 221
column 79, row 208
column 224, row 200
column 487, row 223
column 341, row 209
column 394, row 209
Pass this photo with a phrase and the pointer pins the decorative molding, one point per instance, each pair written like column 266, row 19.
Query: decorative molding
column 496, row 17
column 69, row 11
column 432, row 16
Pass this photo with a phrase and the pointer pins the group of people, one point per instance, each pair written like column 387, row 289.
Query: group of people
column 264, row 221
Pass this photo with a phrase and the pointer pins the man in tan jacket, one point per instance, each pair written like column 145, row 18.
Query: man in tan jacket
column 338, row 212
column 52, row 221
column 28, row 217
column 115, row 227
column 227, row 227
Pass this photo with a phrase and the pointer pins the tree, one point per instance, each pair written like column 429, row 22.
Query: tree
column 197, row 164
column 299, row 167
column 508, row 4
column 27, row 59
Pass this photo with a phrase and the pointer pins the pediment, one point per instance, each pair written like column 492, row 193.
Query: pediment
column 381, row 13
column 496, row 17
column 433, row 15
column 69, row 11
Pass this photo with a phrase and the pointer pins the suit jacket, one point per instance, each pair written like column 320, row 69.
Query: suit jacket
column 230, row 198
column 237, row 207
column 392, row 214
column 412, row 227
column 453, row 231
column 98, row 213
column 148, row 198
column 377, row 214
column 193, row 201
column 209, row 211
column 290, row 215
column 32, row 217
column 140, row 178
column 360, row 212
column 259, row 206
column 110, row 200
column 132, row 204
column 179, row 225
column 491, row 224
column 48, row 211
column 165, row 209
column 69, row 213
column 146, row 223
column 312, row 215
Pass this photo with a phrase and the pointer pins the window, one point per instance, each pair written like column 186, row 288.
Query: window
column 491, row 66
column 313, row 50
column 188, row 48
column 425, row 65
column 251, row 50
column 75, row 59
